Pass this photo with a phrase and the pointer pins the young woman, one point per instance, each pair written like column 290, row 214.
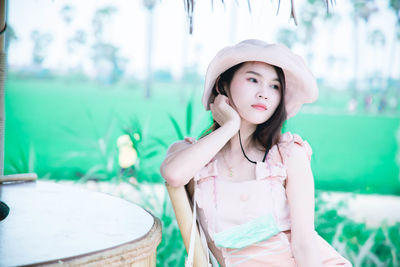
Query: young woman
column 253, row 186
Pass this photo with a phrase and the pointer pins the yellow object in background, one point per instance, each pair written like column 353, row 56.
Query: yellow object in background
column 127, row 156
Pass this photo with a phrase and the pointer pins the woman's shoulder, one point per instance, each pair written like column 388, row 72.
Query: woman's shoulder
column 293, row 144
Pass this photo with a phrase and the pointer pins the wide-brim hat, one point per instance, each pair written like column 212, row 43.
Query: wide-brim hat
column 301, row 85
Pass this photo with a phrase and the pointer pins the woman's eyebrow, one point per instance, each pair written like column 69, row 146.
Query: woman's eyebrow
column 253, row 72
column 258, row 74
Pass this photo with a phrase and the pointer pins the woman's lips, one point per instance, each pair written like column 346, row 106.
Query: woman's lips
column 259, row 107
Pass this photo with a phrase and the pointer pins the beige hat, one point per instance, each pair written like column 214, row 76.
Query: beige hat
column 301, row 86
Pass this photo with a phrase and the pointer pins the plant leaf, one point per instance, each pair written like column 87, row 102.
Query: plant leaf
column 150, row 154
column 189, row 111
column 160, row 141
column 176, row 126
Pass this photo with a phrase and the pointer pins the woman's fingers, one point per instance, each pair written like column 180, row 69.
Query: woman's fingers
column 222, row 112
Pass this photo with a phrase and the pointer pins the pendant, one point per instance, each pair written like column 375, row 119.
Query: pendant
column 230, row 172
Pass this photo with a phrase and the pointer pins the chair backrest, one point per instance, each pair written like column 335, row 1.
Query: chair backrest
column 184, row 215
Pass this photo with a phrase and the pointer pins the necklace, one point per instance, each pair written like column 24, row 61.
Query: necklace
column 230, row 169
column 241, row 146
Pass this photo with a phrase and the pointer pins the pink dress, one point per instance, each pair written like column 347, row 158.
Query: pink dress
column 224, row 205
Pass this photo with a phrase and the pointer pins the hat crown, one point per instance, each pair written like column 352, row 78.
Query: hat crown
column 253, row 42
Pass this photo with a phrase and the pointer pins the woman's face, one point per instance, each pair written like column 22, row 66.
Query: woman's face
column 255, row 91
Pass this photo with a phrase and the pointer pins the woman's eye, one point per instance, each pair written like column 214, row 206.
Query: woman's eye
column 253, row 80
column 275, row 86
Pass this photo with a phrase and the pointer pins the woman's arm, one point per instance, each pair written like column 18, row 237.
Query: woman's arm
column 184, row 160
column 300, row 194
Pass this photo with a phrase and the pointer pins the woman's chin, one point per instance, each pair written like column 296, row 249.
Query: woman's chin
column 255, row 121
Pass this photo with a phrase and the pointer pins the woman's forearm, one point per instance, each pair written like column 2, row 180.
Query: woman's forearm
column 180, row 166
column 306, row 254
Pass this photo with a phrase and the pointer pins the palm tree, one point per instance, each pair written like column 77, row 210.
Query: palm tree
column 149, row 4
column 361, row 10
column 377, row 40
column 190, row 4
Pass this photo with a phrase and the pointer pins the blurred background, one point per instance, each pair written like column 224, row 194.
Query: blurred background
column 96, row 91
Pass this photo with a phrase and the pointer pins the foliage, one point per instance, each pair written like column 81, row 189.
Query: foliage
column 364, row 9
column 66, row 144
column 171, row 250
column 102, row 149
column 190, row 4
column 363, row 246
column 190, row 128
column 147, row 147
column 287, row 37
column 395, row 6
column 24, row 162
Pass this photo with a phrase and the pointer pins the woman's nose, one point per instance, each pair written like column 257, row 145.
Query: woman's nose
column 263, row 91
column 262, row 96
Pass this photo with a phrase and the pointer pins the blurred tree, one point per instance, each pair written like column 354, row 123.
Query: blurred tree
column 107, row 61
column 377, row 40
column 312, row 12
column 67, row 12
column 149, row 4
column 394, row 5
column 77, row 40
column 11, row 36
column 110, row 66
column 40, row 43
column 362, row 9
column 287, row 37
column 309, row 13
column 99, row 20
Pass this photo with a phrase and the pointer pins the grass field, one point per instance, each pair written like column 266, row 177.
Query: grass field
column 63, row 129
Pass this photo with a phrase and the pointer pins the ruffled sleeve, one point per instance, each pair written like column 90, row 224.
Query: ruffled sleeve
column 264, row 170
column 287, row 142
column 210, row 170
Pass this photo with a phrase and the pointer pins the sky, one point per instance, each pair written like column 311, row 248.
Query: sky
column 214, row 27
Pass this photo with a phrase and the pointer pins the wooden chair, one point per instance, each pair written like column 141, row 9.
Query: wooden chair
column 182, row 204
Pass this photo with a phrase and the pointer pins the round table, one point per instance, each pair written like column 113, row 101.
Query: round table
column 49, row 224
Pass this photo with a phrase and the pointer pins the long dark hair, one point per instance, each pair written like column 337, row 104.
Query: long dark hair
column 267, row 134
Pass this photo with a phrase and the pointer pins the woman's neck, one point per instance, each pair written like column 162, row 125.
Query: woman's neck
column 246, row 132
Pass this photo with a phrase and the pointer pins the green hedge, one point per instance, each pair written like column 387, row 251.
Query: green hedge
column 62, row 128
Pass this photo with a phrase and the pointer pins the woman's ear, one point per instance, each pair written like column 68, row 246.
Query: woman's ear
column 220, row 87
column 217, row 86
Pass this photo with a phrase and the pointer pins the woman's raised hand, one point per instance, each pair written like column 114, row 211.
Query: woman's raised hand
column 223, row 113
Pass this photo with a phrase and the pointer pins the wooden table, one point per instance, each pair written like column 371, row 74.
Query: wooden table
column 49, row 224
